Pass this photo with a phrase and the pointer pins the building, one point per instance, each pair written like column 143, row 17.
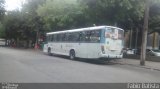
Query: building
column 133, row 39
column 153, row 40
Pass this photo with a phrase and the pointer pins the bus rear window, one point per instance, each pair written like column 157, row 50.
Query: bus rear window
column 114, row 33
column 109, row 32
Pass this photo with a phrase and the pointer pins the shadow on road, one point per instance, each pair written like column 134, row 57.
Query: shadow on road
column 91, row 61
column 96, row 61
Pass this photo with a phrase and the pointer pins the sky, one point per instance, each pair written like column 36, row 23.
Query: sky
column 13, row 4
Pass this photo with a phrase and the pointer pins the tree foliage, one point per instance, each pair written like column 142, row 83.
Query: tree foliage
column 123, row 13
column 2, row 10
column 52, row 15
column 2, row 31
column 59, row 14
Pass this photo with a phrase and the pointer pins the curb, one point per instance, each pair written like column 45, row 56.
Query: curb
column 146, row 67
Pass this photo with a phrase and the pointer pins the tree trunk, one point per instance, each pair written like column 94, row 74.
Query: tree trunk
column 6, row 44
column 131, row 35
column 144, row 34
column 136, row 38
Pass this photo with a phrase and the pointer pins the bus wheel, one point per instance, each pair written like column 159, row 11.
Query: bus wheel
column 72, row 55
column 49, row 52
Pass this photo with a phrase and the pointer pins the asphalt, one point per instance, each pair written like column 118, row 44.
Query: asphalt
column 33, row 66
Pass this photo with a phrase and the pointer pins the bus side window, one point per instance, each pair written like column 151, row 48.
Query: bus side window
column 95, row 36
column 52, row 38
column 69, row 37
column 60, row 37
column 87, row 36
column 79, row 36
column 75, row 36
column 64, row 37
column 82, row 36
column 55, row 37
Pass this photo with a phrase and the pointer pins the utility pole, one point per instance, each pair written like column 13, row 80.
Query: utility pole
column 144, row 34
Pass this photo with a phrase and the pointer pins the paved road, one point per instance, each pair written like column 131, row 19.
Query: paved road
column 28, row 66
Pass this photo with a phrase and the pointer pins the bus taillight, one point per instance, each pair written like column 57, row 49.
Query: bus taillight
column 102, row 49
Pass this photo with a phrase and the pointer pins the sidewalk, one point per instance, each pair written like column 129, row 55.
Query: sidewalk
column 134, row 62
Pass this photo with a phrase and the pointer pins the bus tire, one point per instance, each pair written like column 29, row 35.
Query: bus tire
column 49, row 52
column 72, row 54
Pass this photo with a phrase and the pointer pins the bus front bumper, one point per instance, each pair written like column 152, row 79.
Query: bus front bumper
column 111, row 56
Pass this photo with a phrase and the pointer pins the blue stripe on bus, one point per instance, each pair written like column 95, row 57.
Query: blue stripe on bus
column 102, row 36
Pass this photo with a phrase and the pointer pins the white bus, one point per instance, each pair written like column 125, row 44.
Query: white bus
column 2, row 42
column 91, row 42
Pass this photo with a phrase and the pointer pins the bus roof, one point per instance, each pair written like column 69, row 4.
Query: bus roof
column 83, row 29
column 2, row 39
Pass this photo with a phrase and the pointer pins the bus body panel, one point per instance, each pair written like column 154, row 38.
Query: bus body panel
column 84, row 50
